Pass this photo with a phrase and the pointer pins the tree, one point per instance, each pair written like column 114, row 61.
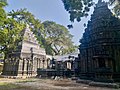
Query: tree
column 116, row 6
column 2, row 20
column 10, row 35
column 77, row 8
column 58, row 39
column 24, row 16
column 9, row 31
column 3, row 3
column 55, row 38
column 80, row 8
column 52, row 46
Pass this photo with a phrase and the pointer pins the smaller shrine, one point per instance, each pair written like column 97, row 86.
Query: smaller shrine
column 62, row 66
column 28, row 56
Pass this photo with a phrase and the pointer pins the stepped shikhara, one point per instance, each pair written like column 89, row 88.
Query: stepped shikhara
column 100, row 46
column 27, row 58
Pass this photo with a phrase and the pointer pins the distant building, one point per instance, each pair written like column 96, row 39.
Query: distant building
column 27, row 58
column 66, row 61
column 100, row 46
column 60, row 65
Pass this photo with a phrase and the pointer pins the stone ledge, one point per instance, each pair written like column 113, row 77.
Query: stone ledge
column 74, row 78
column 99, row 84
column 83, row 81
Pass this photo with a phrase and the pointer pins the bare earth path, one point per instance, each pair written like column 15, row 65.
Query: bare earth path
column 45, row 84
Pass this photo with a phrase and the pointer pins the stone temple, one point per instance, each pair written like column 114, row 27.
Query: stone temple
column 27, row 58
column 99, row 57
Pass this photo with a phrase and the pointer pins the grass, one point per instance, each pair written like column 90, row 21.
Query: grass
column 26, row 80
column 21, row 84
column 10, row 86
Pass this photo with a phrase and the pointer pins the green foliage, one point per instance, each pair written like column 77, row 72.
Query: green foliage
column 3, row 3
column 10, row 35
column 9, row 31
column 58, row 40
column 2, row 12
column 77, row 8
column 24, row 16
column 80, row 8
column 51, row 38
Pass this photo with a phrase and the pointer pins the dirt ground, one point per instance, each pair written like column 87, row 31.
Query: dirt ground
column 45, row 84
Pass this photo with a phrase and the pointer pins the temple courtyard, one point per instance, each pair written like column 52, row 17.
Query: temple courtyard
column 45, row 50
column 45, row 84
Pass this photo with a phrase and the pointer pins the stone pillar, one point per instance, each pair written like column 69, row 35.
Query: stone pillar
column 9, row 68
column 43, row 61
column 17, row 65
column 47, row 63
column 35, row 66
column 12, row 66
column 28, row 66
column 6, row 66
column 20, row 67
column 39, row 62
column 23, row 67
column 27, row 62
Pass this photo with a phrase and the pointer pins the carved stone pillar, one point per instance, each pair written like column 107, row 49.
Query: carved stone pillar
column 47, row 62
column 16, row 66
column 43, row 63
column 20, row 67
column 39, row 62
column 25, row 66
column 35, row 66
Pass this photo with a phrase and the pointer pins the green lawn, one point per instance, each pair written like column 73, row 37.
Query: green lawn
column 10, row 86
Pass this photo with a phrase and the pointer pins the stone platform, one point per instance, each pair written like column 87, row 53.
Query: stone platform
column 99, row 84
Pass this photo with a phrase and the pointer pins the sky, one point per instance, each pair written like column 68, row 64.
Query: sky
column 52, row 10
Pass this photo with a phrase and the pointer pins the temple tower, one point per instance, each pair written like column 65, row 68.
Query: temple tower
column 100, row 45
